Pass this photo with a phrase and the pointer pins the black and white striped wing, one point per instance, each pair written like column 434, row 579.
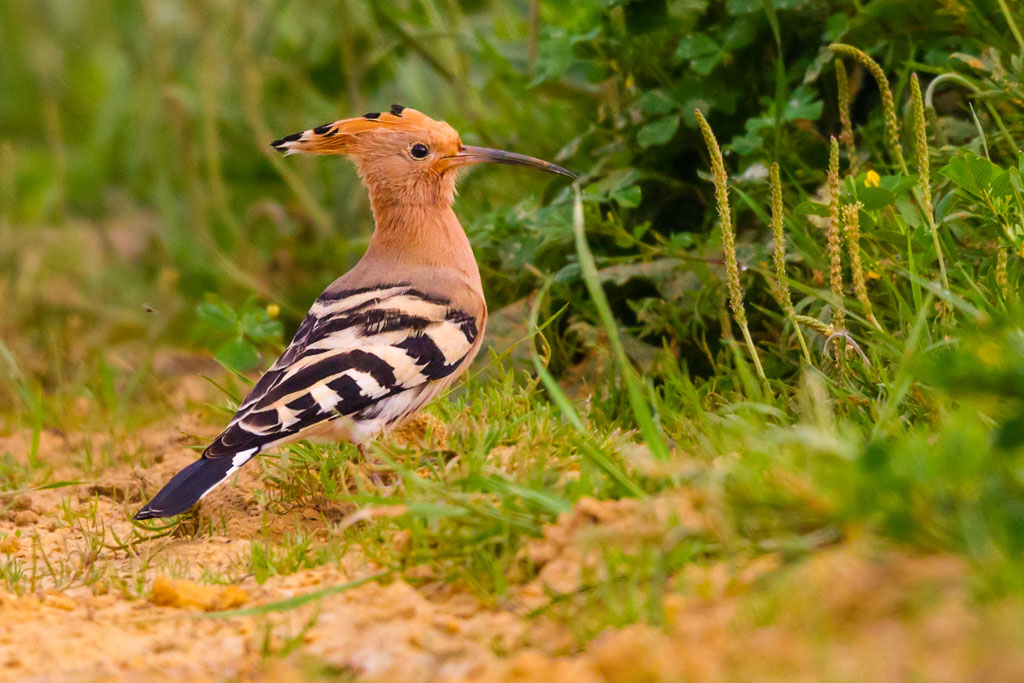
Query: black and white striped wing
column 361, row 360
column 354, row 356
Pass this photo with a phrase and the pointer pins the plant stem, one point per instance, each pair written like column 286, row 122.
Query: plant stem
column 1012, row 24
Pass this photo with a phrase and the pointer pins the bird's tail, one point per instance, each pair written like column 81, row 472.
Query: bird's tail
column 192, row 483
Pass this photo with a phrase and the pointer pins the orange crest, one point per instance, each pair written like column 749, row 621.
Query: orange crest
column 340, row 136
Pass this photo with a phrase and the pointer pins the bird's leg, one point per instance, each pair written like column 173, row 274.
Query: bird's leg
column 379, row 471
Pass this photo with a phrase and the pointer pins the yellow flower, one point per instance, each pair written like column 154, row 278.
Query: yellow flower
column 273, row 310
column 872, row 275
column 871, row 179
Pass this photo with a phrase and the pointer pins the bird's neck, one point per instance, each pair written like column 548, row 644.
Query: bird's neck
column 421, row 235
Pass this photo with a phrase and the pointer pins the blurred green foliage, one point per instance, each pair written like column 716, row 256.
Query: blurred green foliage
column 149, row 122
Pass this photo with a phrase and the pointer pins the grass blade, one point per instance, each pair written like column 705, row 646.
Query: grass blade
column 641, row 410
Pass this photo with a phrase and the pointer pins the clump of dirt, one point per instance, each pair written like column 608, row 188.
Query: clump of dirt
column 122, row 487
column 572, row 546
column 9, row 545
column 422, row 429
column 168, row 592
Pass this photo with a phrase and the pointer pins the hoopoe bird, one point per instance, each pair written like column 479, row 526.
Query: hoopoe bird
column 387, row 336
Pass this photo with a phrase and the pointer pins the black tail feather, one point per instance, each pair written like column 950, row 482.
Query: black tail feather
column 189, row 485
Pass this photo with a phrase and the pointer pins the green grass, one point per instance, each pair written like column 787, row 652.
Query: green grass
column 134, row 228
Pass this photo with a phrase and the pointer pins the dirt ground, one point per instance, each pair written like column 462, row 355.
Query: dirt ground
column 853, row 611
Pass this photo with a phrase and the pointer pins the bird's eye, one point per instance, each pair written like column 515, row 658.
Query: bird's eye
column 419, row 151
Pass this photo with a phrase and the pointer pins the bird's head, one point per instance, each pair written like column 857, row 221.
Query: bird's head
column 404, row 156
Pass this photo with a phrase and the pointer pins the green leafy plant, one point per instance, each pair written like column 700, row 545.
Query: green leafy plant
column 237, row 336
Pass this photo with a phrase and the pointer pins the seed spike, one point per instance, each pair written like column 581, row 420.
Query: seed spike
column 721, row 181
column 835, row 246
column 924, row 172
column 1002, row 278
column 781, row 280
column 846, row 136
column 851, row 220
column 892, row 127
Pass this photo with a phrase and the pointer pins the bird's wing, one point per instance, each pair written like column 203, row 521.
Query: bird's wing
column 369, row 357
column 354, row 356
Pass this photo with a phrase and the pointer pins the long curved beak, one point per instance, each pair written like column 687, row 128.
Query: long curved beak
column 482, row 155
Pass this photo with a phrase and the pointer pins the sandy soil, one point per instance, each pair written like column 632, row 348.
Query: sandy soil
column 852, row 612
